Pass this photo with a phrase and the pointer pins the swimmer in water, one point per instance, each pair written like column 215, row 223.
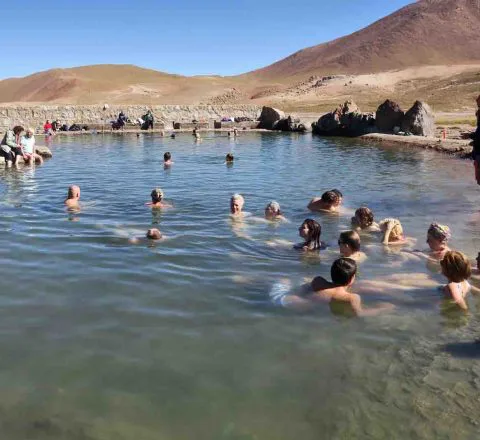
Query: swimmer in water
column 364, row 220
column 310, row 231
column 167, row 159
column 236, row 205
column 73, row 197
column 229, row 158
column 329, row 202
column 340, row 196
column 151, row 236
column 235, row 132
column 273, row 212
column 349, row 244
column 321, row 291
column 457, row 270
column 172, row 136
column 392, row 232
column 437, row 240
column 157, row 199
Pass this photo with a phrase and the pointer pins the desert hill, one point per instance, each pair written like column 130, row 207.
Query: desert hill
column 426, row 50
column 428, row 32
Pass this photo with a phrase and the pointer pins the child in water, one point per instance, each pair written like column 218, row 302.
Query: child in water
column 349, row 244
column 157, row 199
column 457, row 269
column 321, row 291
column 310, row 231
column 73, row 196
column 167, row 159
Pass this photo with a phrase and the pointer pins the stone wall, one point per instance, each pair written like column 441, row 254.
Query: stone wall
column 36, row 115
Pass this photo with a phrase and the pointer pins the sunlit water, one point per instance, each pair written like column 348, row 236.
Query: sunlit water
column 103, row 339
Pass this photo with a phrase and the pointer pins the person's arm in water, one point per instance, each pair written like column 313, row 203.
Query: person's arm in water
column 356, row 304
column 456, row 296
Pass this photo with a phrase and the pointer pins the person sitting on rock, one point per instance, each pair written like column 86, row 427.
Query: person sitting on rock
column 329, row 202
column 167, row 159
column 73, row 197
column 10, row 147
column 28, row 147
column 157, row 199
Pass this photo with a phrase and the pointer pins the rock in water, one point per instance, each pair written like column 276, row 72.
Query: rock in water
column 43, row 151
column 269, row 117
column 419, row 120
column 388, row 116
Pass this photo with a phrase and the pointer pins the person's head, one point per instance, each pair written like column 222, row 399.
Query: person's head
column 29, row 132
column 438, row 236
column 18, row 129
column 167, row 156
column 236, row 203
column 349, row 243
column 478, row 261
column 229, row 158
column 456, row 266
column 310, row 231
column 339, row 194
column 154, row 234
column 157, row 195
column 363, row 217
column 478, row 101
column 272, row 210
column 396, row 234
column 48, row 122
column 73, row 192
column 330, row 198
column 343, row 272
column 172, row 135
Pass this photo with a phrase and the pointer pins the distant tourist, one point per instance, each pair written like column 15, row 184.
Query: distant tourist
column 229, row 158
column 28, row 147
column 157, row 199
column 10, row 147
column 273, row 211
column 148, row 120
column 122, row 119
column 154, row 234
column 73, row 197
column 167, row 159
column 476, row 144
column 457, row 269
column 47, row 128
column 310, row 230
column 329, row 202
column 172, row 136
column 236, row 205
column 364, row 220
column 55, row 126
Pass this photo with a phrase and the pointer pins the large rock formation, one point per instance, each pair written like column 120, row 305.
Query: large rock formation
column 290, row 124
column 345, row 120
column 269, row 117
column 388, row 116
column 419, row 120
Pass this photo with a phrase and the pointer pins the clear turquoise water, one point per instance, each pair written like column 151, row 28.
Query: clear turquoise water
column 102, row 339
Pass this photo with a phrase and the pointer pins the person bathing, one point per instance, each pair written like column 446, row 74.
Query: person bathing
column 329, row 202
column 349, row 244
column 310, row 231
column 73, row 197
column 157, row 199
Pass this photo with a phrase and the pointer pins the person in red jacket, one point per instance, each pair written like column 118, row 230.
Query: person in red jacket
column 47, row 128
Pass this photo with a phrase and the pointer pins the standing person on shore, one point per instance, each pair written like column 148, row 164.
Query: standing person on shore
column 10, row 147
column 476, row 144
column 148, row 118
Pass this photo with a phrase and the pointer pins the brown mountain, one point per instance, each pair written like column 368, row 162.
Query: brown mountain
column 388, row 58
column 428, row 32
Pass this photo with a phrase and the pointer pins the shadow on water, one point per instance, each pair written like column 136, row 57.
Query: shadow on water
column 463, row 349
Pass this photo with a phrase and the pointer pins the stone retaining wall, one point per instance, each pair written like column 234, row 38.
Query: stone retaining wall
column 36, row 115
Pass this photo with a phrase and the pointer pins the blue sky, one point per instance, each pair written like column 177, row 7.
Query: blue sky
column 183, row 36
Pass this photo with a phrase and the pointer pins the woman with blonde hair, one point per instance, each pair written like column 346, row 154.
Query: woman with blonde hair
column 392, row 232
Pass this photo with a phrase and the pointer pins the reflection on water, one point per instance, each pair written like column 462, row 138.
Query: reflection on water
column 102, row 339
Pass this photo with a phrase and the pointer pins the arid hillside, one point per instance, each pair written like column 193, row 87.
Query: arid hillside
column 428, row 50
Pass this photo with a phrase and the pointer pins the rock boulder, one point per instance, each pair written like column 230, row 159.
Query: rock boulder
column 388, row 116
column 419, row 120
column 269, row 117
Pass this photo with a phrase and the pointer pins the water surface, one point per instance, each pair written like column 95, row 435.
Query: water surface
column 102, row 339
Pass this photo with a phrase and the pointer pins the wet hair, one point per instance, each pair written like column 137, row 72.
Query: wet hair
column 229, row 157
column 338, row 193
column 342, row 271
column 363, row 217
column 314, row 232
column 157, row 195
column 397, row 231
column 167, row 156
column 18, row 129
column 275, row 207
column 330, row 197
column 350, row 238
column 456, row 266
column 439, row 232
column 154, row 234
column 72, row 191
